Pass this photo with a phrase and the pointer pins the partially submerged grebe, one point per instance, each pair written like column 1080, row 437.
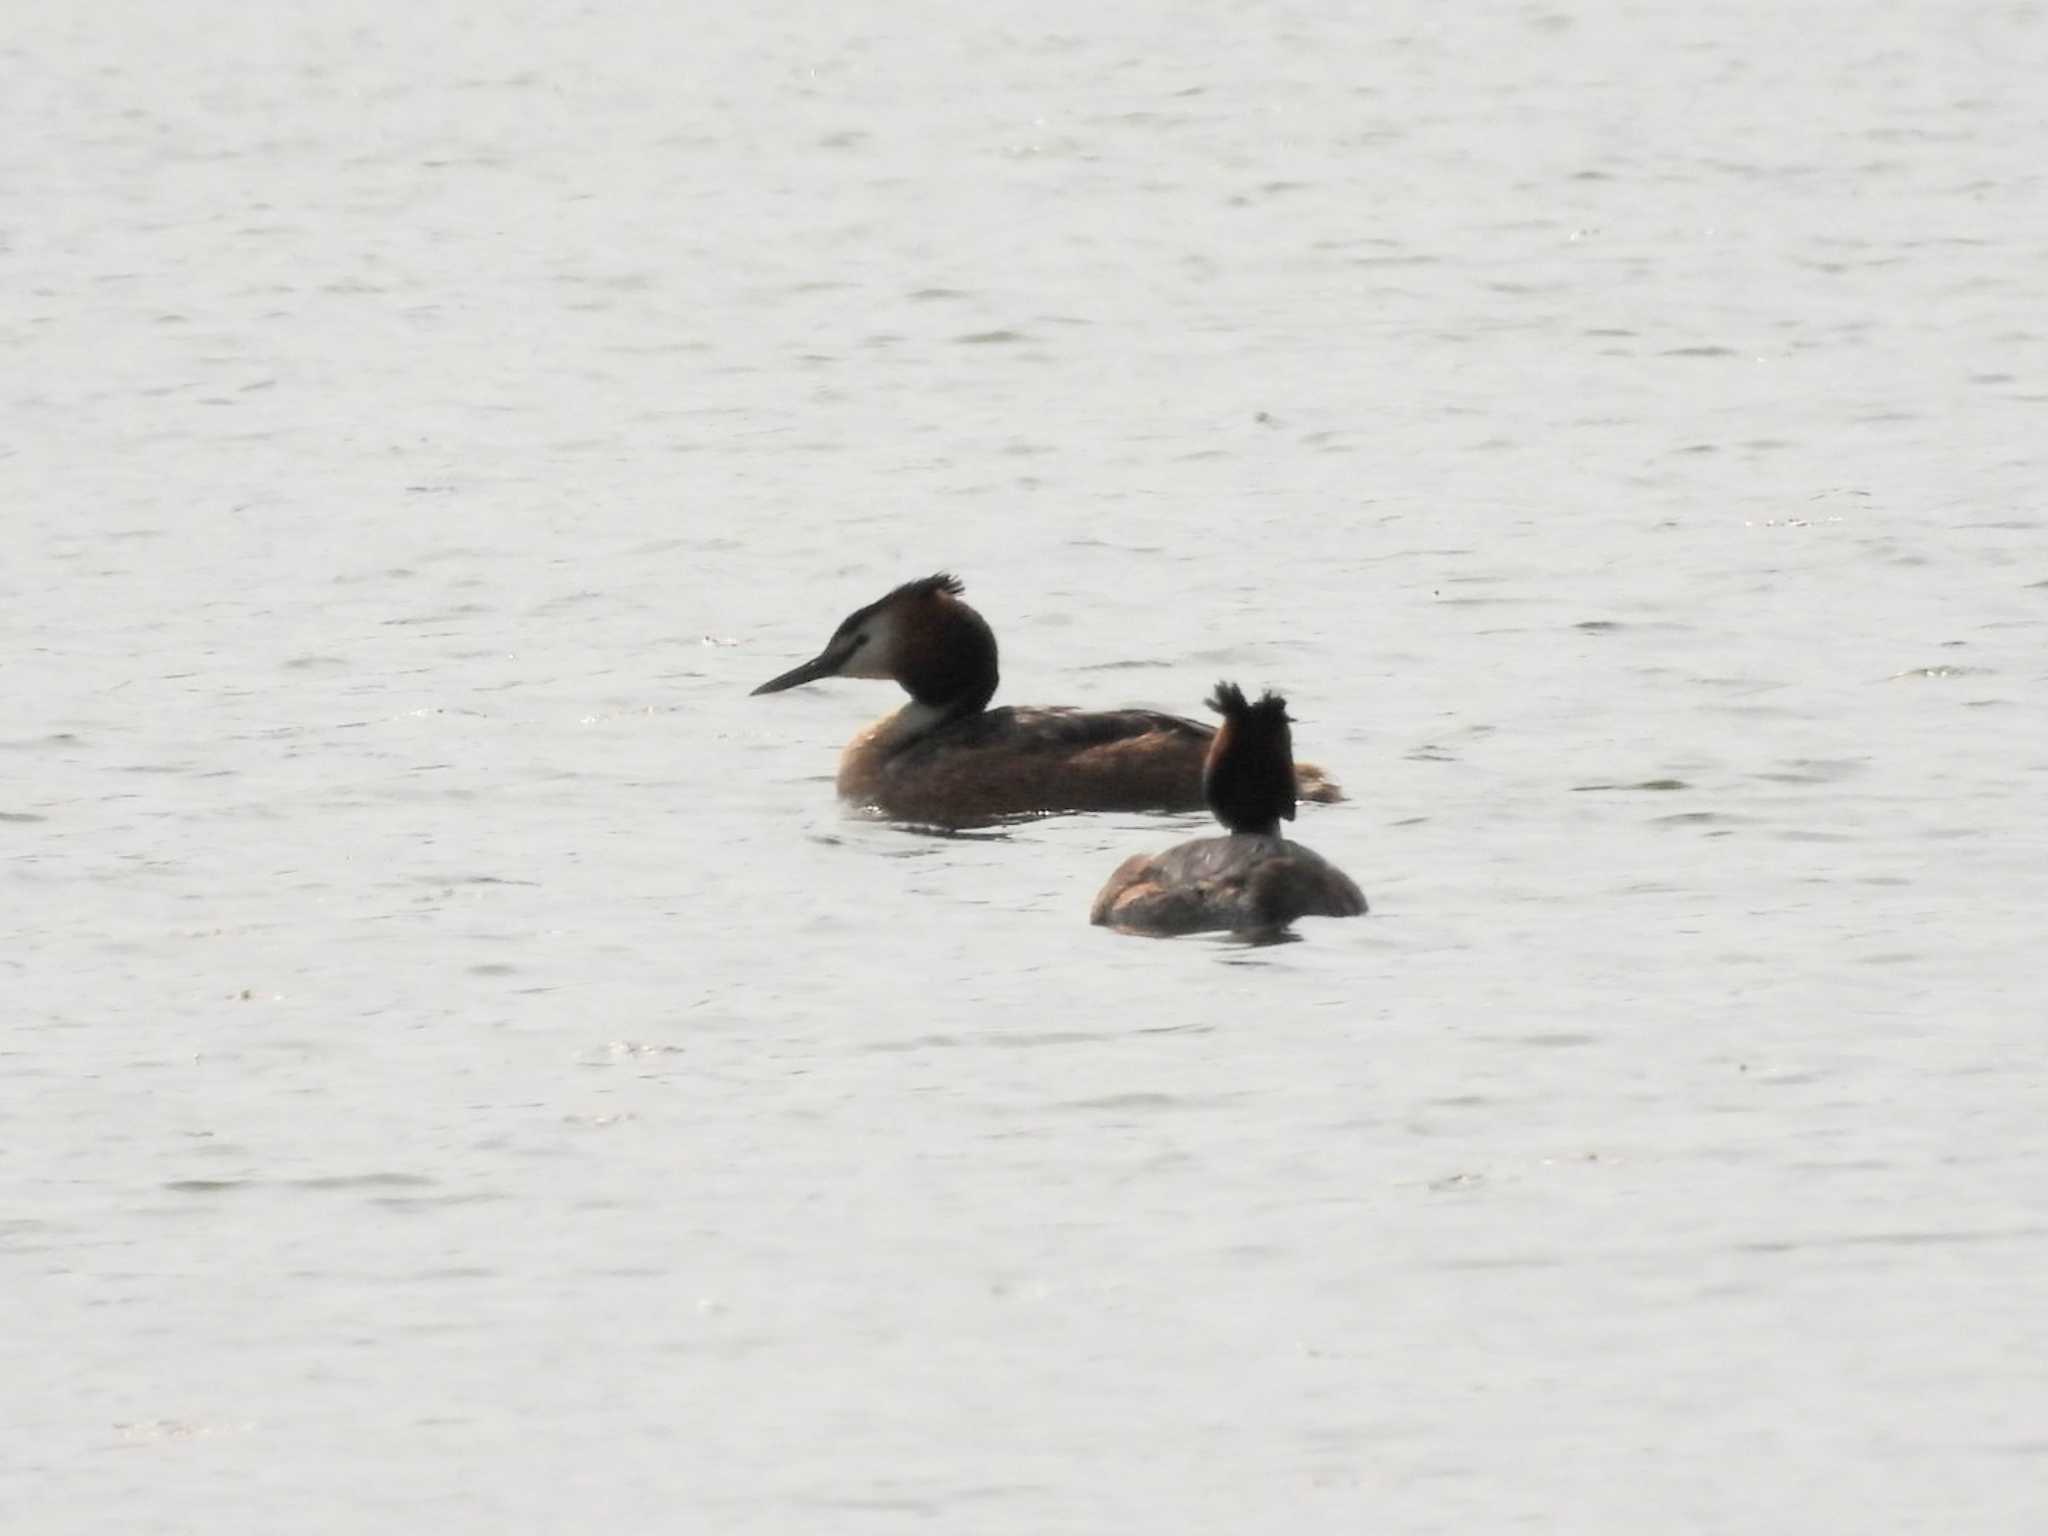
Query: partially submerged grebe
column 1254, row 881
column 946, row 758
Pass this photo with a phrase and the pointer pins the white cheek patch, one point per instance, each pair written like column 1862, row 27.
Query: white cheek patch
column 877, row 657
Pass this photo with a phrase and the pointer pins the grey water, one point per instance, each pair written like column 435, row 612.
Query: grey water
column 461, row 1070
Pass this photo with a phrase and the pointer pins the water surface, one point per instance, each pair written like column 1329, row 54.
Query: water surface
column 463, row 1071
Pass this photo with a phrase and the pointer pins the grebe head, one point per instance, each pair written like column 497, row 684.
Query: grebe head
column 1248, row 777
column 940, row 650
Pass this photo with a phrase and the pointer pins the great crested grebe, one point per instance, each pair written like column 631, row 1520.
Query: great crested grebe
column 1252, row 881
column 947, row 759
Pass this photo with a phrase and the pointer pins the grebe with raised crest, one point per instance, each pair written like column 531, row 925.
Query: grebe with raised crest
column 1252, row 881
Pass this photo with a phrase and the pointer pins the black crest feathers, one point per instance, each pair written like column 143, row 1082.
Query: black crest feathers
column 926, row 586
column 1248, row 779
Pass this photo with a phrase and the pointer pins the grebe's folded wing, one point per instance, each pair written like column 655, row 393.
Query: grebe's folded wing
column 1062, row 730
column 1158, row 894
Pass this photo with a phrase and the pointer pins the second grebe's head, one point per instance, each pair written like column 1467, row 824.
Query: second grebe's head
column 923, row 636
column 1248, row 777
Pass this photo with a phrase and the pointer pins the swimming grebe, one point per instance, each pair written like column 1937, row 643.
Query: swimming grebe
column 946, row 758
column 1253, row 881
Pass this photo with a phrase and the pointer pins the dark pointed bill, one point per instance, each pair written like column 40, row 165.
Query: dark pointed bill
column 825, row 664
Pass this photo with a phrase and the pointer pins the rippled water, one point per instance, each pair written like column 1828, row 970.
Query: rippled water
column 462, row 1070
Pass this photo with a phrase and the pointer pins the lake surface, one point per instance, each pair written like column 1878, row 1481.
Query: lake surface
column 461, row 1069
